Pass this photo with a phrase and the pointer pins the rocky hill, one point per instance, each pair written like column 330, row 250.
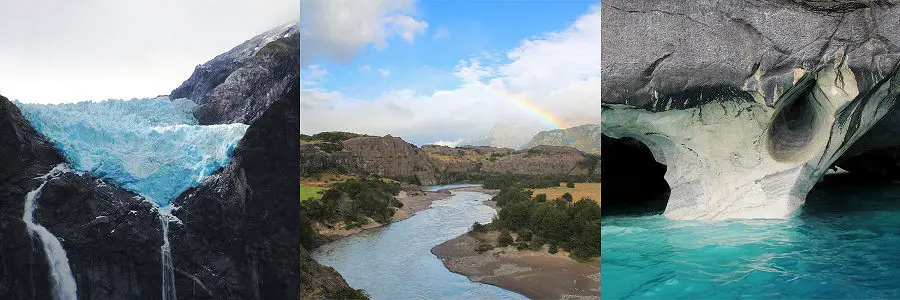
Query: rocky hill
column 238, row 85
column 584, row 137
column 392, row 157
column 502, row 136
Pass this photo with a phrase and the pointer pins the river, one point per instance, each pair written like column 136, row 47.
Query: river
column 395, row 261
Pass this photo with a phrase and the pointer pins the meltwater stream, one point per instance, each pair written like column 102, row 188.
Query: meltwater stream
column 395, row 261
column 64, row 287
column 844, row 245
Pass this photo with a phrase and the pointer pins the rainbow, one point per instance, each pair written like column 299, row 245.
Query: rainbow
column 523, row 102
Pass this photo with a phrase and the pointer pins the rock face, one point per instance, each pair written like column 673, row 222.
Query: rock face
column 111, row 236
column 394, row 158
column 540, row 160
column 748, row 121
column 319, row 282
column 697, row 52
column 239, row 233
column 24, row 273
column 585, row 138
column 238, row 85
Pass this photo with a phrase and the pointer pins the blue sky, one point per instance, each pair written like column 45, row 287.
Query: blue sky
column 469, row 28
column 443, row 71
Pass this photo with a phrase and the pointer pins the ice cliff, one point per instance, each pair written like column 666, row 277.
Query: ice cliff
column 153, row 147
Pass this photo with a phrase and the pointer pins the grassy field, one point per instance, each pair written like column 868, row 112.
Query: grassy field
column 324, row 180
column 307, row 192
column 581, row 190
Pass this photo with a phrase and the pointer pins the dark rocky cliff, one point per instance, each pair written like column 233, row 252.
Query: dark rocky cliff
column 24, row 155
column 238, row 85
column 112, row 237
column 239, row 237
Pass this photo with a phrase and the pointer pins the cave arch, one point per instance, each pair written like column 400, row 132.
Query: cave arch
column 801, row 125
column 633, row 180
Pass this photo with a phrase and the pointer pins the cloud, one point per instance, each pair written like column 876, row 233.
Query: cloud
column 405, row 26
column 68, row 51
column 442, row 32
column 472, row 71
column 365, row 68
column 555, row 74
column 384, row 72
column 339, row 29
column 313, row 75
column 448, row 143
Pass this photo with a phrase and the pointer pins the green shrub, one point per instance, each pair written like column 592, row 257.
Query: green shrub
column 570, row 185
column 483, row 247
column 536, row 243
column 521, row 245
column 567, row 197
column 553, row 249
column 478, row 227
column 540, row 198
column 524, row 236
column 505, row 239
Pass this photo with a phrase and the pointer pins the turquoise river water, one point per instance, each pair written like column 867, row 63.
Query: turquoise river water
column 845, row 244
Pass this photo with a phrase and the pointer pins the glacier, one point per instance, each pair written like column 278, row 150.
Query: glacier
column 151, row 146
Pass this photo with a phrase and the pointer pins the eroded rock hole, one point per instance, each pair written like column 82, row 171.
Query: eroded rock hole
column 633, row 181
column 796, row 129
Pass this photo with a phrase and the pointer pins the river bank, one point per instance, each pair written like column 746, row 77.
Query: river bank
column 395, row 262
column 414, row 200
column 535, row 274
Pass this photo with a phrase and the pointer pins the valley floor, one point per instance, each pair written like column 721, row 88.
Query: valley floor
column 413, row 201
column 535, row 274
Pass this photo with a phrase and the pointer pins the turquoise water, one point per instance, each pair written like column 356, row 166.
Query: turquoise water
column 844, row 245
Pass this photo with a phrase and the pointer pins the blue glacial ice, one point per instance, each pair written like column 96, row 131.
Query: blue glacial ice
column 153, row 146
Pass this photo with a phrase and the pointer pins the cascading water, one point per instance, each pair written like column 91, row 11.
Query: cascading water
column 64, row 287
column 168, row 274
column 153, row 147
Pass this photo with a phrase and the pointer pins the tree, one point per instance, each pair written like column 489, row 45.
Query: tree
column 536, row 243
column 505, row 239
column 553, row 249
column 540, row 198
column 570, row 185
column 477, row 227
column 516, row 216
column 567, row 197
column 524, row 236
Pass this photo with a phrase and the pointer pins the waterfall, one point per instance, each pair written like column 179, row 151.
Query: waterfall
column 168, row 274
column 60, row 273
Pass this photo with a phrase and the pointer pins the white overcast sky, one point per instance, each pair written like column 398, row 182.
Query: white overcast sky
column 56, row 51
